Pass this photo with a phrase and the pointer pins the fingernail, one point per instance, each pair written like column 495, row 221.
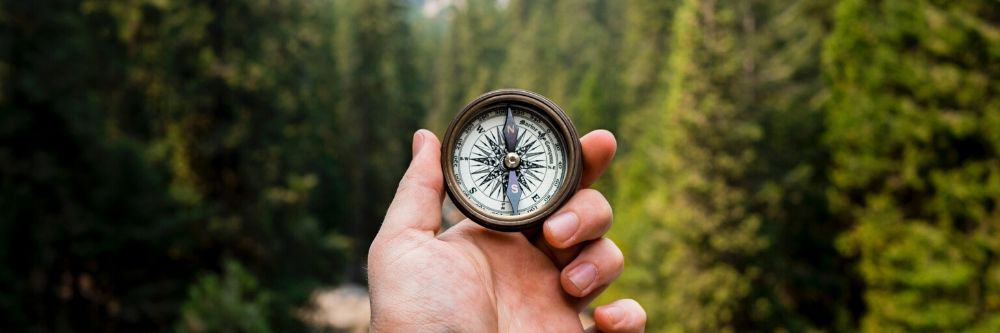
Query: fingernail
column 563, row 226
column 418, row 141
column 582, row 276
column 613, row 313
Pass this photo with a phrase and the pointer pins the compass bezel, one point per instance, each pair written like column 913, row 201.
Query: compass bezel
column 562, row 126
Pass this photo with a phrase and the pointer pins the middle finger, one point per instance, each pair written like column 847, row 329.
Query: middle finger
column 587, row 216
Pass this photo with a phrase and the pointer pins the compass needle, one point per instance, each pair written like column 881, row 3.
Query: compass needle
column 510, row 131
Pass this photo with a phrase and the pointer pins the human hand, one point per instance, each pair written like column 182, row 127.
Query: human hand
column 472, row 279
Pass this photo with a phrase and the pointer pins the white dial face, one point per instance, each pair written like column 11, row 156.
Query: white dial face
column 479, row 168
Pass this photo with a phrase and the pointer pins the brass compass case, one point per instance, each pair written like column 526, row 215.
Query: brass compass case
column 536, row 107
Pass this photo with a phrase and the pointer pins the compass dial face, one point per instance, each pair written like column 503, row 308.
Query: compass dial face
column 482, row 172
column 510, row 159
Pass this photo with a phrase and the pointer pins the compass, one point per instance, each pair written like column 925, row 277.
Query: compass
column 510, row 159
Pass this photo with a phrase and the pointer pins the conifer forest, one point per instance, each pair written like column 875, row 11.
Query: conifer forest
column 783, row 165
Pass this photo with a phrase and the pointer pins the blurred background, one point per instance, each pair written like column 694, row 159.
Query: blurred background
column 221, row 166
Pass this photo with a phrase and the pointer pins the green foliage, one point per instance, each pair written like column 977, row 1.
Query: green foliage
column 232, row 302
column 789, row 165
column 913, row 133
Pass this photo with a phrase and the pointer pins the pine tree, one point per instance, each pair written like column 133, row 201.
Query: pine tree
column 727, row 180
column 913, row 132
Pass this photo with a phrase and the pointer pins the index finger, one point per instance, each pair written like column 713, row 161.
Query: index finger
column 599, row 148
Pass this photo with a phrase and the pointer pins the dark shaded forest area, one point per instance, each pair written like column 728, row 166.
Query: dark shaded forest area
column 788, row 165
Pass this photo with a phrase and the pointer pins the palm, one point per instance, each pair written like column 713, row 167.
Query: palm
column 486, row 281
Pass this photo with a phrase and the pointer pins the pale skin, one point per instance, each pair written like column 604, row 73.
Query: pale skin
column 471, row 279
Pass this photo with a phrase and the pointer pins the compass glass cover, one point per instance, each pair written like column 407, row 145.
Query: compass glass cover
column 479, row 160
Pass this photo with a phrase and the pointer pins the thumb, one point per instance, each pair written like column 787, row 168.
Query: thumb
column 417, row 205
